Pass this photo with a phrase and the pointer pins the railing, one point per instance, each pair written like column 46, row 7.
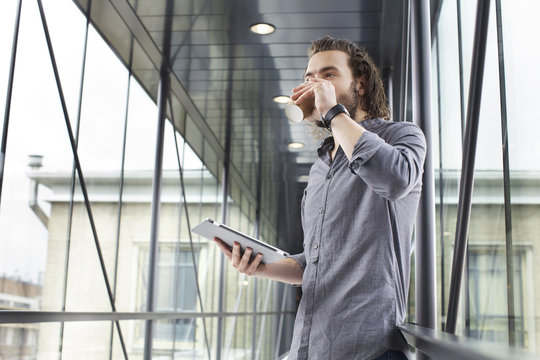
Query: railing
column 439, row 345
column 19, row 317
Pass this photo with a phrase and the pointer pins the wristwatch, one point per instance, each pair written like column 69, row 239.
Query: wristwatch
column 335, row 110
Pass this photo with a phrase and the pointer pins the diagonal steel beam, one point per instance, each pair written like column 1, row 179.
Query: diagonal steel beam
column 192, row 247
column 7, row 110
column 467, row 166
column 79, row 169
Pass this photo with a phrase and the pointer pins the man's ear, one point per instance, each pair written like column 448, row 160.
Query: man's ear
column 361, row 85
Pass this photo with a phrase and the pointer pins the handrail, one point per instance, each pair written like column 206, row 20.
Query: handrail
column 444, row 346
column 20, row 317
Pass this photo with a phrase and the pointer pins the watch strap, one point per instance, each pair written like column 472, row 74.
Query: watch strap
column 332, row 113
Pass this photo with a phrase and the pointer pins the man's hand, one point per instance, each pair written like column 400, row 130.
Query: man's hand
column 324, row 93
column 286, row 270
column 242, row 261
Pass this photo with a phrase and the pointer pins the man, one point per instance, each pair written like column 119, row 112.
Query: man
column 358, row 212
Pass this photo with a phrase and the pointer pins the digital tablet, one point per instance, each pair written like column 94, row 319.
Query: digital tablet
column 210, row 229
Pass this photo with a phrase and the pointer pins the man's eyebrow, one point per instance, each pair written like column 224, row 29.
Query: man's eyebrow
column 326, row 68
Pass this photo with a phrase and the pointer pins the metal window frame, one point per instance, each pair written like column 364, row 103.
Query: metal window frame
column 469, row 156
column 73, row 181
column 79, row 169
column 7, row 109
column 26, row 317
column 153, row 247
column 506, row 181
column 425, row 268
column 184, row 201
column 405, row 52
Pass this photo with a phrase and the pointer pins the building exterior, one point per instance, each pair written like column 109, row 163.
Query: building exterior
column 177, row 286
column 19, row 341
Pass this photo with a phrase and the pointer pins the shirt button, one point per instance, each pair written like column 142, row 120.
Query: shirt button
column 321, row 210
column 329, row 176
column 316, row 246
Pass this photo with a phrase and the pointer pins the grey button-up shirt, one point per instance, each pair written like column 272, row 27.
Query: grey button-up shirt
column 357, row 218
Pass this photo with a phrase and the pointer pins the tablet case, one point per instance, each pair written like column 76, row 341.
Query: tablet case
column 210, row 229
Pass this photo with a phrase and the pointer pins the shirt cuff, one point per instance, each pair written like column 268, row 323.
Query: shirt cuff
column 300, row 259
column 364, row 149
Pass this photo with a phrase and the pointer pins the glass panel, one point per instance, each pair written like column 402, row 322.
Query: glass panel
column 486, row 228
column 29, row 230
column 447, row 134
column 100, row 154
column 518, row 25
column 34, row 267
column 8, row 10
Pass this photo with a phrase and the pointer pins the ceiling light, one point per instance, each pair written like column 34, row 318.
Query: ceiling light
column 296, row 145
column 262, row 28
column 282, row 99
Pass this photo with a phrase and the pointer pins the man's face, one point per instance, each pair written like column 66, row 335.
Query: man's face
column 333, row 65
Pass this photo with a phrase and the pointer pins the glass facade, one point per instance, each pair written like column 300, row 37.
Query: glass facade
column 63, row 253
column 498, row 297
column 79, row 242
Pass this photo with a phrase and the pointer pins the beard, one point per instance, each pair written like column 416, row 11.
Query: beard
column 349, row 100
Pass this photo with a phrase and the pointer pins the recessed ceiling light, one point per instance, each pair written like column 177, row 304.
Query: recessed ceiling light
column 263, row 28
column 296, row 145
column 282, row 99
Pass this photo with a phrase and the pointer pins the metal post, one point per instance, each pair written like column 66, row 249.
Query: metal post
column 425, row 269
column 441, row 182
column 163, row 93
column 469, row 156
column 461, row 82
column 387, row 73
column 122, row 182
column 7, row 110
column 405, row 39
column 506, row 177
column 72, row 185
column 79, row 170
column 257, row 227
column 156, row 202
column 224, row 208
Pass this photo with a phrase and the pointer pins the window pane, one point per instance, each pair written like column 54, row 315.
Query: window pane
column 518, row 24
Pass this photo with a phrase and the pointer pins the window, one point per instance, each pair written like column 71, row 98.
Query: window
column 488, row 302
column 176, row 290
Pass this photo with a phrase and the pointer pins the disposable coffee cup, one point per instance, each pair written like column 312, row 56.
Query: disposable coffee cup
column 297, row 113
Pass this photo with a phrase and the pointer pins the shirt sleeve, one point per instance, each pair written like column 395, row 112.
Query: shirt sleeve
column 392, row 169
column 300, row 259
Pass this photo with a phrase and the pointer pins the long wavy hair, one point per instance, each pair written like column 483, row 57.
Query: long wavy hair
column 374, row 102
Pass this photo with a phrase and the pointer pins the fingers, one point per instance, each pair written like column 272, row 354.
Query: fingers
column 252, row 268
column 242, row 262
column 301, row 90
column 309, row 82
column 224, row 248
column 236, row 255
column 303, row 95
column 242, row 266
column 301, row 86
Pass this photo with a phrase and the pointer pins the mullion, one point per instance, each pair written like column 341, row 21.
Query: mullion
column 79, row 169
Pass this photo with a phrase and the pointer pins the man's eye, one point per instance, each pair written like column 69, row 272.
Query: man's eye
column 329, row 75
